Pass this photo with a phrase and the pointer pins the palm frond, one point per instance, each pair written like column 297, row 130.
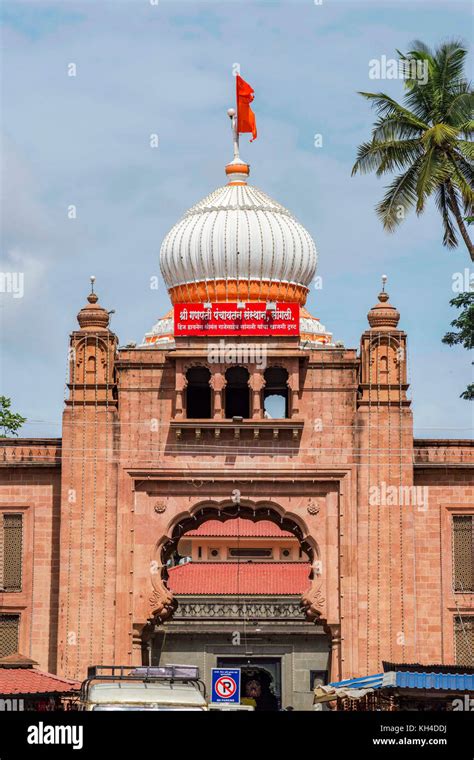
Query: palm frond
column 417, row 46
column 449, row 61
column 439, row 134
column 459, row 110
column 387, row 107
column 397, row 127
column 464, row 161
column 433, row 172
column 442, row 201
column 385, row 156
column 461, row 179
column 399, row 197
column 466, row 129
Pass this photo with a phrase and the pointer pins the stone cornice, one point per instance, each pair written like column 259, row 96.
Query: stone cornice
column 30, row 452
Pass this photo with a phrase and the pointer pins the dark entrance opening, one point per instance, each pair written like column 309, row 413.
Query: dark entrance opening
column 237, row 393
column 198, row 393
column 261, row 680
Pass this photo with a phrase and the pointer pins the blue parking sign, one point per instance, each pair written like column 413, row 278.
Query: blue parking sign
column 226, row 685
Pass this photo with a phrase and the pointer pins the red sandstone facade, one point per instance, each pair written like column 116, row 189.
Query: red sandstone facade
column 104, row 506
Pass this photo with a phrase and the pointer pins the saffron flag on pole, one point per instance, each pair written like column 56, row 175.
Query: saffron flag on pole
column 245, row 116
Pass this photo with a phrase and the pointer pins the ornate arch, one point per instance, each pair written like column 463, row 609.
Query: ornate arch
column 384, row 350
column 163, row 602
column 90, row 347
column 193, row 363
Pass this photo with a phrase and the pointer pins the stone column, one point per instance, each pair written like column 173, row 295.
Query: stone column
column 217, row 383
column 180, row 389
column 335, row 672
column 256, row 384
column 293, row 384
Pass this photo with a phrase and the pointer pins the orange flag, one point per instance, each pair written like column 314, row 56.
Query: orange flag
column 245, row 116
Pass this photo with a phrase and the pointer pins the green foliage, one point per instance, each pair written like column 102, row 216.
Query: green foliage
column 427, row 140
column 464, row 325
column 9, row 421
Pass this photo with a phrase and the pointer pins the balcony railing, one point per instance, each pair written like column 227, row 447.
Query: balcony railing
column 238, row 428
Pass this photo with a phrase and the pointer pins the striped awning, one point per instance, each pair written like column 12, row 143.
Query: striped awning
column 355, row 688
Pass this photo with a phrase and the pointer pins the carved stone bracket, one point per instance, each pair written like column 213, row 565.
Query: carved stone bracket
column 312, row 602
column 162, row 601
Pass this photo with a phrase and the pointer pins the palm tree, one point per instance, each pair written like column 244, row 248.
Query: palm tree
column 429, row 139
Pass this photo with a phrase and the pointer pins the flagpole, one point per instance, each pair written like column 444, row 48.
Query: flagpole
column 231, row 113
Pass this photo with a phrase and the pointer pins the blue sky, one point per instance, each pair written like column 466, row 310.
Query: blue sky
column 166, row 68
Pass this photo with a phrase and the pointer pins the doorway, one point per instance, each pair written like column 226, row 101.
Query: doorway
column 261, row 679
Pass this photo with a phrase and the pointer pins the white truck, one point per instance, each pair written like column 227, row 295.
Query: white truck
column 118, row 687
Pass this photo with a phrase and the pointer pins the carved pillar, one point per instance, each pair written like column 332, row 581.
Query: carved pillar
column 180, row 389
column 218, row 383
column 335, row 674
column 256, row 383
column 293, row 384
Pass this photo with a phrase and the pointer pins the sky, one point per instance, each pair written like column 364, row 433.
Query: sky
column 146, row 67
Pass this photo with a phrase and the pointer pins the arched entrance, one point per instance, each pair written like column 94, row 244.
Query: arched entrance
column 264, row 632
column 162, row 601
column 261, row 684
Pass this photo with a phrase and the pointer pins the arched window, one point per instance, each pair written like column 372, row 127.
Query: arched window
column 198, row 394
column 384, row 365
column 90, row 368
column 275, row 393
column 237, row 393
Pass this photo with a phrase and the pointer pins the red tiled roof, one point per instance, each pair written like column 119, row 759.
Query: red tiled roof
column 16, row 660
column 32, row 681
column 240, row 527
column 239, row 578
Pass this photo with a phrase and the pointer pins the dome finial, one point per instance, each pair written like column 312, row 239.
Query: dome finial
column 383, row 296
column 237, row 170
column 92, row 297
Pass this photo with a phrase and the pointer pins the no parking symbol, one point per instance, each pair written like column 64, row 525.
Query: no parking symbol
column 226, row 685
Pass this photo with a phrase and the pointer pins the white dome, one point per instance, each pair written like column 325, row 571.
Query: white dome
column 238, row 234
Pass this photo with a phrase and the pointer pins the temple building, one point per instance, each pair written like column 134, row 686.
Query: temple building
column 238, row 489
